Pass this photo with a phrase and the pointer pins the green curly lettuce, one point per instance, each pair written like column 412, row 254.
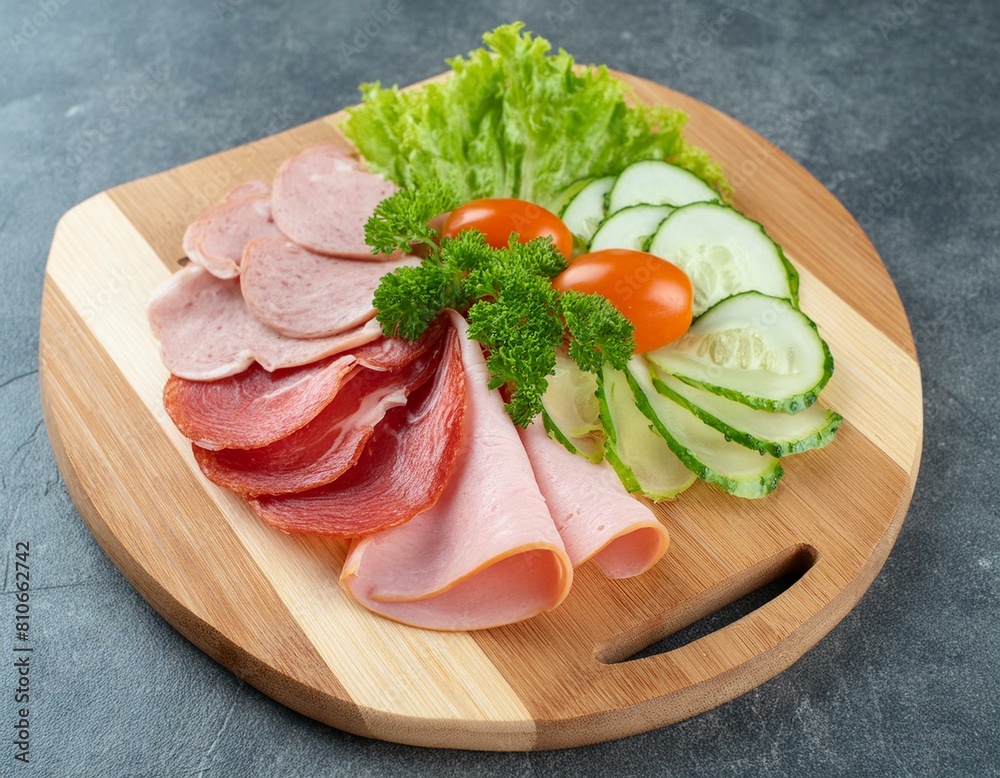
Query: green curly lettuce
column 514, row 120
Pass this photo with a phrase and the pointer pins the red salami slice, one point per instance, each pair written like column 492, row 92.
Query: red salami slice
column 325, row 448
column 402, row 471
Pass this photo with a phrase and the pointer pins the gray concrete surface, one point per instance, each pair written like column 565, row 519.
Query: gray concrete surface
column 95, row 94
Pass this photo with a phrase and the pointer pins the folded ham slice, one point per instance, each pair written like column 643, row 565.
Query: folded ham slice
column 305, row 295
column 487, row 553
column 255, row 407
column 322, row 199
column 596, row 518
column 326, row 447
column 207, row 332
column 402, row 471
column 216, row 239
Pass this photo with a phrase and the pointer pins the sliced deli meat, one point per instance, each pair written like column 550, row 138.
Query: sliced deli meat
column 216, row 239
column 207, row 332
column 305, row 295
column 256, row 407
column 322, row 199
column 394, row 353
column 402, row 470
column 325, row 448
column 487, row 552
column 596, row 518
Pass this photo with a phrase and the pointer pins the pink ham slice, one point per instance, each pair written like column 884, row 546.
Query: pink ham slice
column 322, row 199
column 207, row 332
column 216, row 239
column 596, row 518
column 326, row 447
column 402, row 471
column 305, row 295
column 487, row 553
column 254, row 408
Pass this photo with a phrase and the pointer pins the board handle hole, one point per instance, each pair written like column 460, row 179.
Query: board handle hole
column 716, row 608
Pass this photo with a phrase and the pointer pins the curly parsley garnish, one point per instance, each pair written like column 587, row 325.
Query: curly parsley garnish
column 505, row 293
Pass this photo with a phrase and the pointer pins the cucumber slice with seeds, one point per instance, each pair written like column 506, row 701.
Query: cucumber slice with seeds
column 630, row 228
column 724, row 253
column 754, row 349
column 778, row 434
column 585, row 210
column 704, row 450
column 654, row 182
column 643, row 460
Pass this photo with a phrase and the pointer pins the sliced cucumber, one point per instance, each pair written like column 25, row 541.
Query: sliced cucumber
column 654, row 182
column 778, row 434
column 630, row 228
column 585, row 210
column 571, row 412
column 643, row 460
column 754, row 349
column 724, row 253
column 706, row 451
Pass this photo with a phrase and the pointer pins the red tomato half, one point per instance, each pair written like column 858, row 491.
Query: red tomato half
column 498, row 217
column 653, row 294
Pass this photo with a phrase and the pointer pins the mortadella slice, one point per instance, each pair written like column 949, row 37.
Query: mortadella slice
column 322, row 199
column 305, row 295
column 487, row 553
column 326, row 447
column 254, row 408
column 216, row 239
column 402, row 471
column 596, row 518
column 207, row 332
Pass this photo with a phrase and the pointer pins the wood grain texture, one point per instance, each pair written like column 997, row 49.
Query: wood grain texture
column 268, row 606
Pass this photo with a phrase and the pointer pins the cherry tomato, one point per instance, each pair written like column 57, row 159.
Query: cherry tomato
column 653, row 294
column 498, row 217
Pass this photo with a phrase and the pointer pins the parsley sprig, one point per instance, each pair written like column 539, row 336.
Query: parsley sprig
column 505, row 293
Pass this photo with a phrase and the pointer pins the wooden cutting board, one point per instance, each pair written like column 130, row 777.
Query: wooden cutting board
column 267, row 605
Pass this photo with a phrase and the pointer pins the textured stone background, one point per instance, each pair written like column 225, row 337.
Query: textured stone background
column 95, row 94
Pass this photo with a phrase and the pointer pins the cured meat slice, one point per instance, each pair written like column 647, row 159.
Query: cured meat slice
column 305, row 295
column 216, row 239
column 402, row 471
column 255, row 407
column 394, row 353
column 596, row 518
column 325, row 448
column 487, row 553
column 248, row 188
column 322, row 199
column 207, row 332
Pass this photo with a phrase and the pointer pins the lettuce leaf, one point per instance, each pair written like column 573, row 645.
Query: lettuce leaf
column 514, row 120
